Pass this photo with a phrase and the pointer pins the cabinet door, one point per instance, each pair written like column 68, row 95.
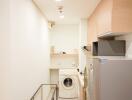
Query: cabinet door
column 92, row 29
column 122, row 16
column 104, row 14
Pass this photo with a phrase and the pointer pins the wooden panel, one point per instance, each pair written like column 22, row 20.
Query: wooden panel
column 122, row 16
column 110, row 16
column 92, row 29
column 104, row 15
column 100, row 20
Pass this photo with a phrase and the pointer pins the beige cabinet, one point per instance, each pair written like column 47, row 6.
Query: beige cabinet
column 103, row 16
column 111, row 17
column 122, row 16
column 92, row 29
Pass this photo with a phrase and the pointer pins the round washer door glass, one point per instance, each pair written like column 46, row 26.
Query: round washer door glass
column 68, row 82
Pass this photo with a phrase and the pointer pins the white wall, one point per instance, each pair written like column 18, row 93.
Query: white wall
column 82, row 42
column 128, row 38
column 24, row 53
column 4, row 45
column 65, row 37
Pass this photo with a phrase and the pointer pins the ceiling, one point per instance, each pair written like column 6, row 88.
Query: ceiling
column 74, row 10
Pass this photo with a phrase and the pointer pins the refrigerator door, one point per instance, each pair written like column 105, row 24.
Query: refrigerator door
column 115, row 80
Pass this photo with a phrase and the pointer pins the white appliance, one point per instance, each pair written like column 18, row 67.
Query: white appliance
column 68, row 84
column 110, row 79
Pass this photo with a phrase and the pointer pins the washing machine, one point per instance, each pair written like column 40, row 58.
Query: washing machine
column 68, row 84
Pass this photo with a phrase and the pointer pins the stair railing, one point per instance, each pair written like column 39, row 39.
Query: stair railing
column 52, row 95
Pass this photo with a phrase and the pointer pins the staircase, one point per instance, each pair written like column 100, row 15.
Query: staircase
column 46, row 92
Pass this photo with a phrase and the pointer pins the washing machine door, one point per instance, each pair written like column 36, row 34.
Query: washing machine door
column 68, row 87
column 67, row 83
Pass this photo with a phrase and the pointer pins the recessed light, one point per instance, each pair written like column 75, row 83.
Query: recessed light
column 62, row 16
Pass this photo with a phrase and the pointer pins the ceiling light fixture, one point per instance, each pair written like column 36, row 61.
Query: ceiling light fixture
column 62, row 16
column 61, row 12
column 60, row 8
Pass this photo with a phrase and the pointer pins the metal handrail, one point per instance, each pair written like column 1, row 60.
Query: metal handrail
column 40, row 87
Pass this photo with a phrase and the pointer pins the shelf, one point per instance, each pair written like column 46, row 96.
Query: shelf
column 63, row 55
column 61, row 67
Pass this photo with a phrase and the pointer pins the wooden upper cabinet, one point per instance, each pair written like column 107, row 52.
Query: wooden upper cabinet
column 92, row 29
column 104, row 13
column 122, row 16
column 111, row 17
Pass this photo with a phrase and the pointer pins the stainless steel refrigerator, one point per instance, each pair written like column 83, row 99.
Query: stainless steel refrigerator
column 110, row 78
